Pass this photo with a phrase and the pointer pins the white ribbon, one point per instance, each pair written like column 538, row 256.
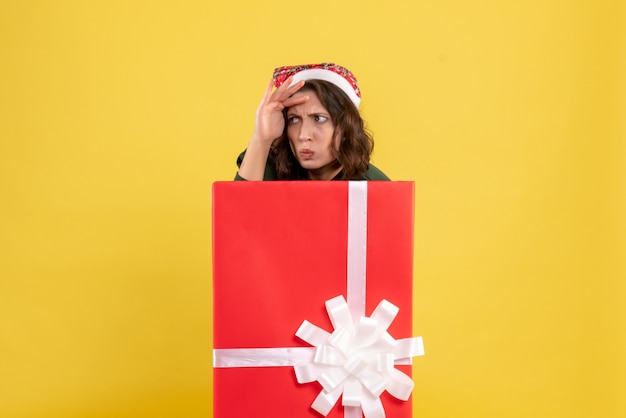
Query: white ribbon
column 261, row 357
column 357, row 247
column 355, row 362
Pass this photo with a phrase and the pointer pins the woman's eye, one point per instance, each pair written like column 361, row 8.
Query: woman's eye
column 320, row 118
column 293, row 119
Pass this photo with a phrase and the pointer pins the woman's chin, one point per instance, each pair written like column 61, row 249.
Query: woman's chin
column 321, row 171
column 310, row 165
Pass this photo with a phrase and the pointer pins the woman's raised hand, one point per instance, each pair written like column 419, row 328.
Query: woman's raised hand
column 268, row 126
column 270, row 121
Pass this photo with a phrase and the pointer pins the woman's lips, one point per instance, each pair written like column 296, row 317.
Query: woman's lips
column 306, row 154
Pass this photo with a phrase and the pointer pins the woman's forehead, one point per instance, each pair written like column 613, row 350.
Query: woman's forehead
column 312, row 105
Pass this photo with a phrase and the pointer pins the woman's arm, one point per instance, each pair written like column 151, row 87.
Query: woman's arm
column 269, row 125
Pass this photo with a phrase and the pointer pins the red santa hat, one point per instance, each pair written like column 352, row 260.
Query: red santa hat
column 333, row 73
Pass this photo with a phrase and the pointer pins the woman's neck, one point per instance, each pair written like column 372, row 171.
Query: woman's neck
column 327, row 172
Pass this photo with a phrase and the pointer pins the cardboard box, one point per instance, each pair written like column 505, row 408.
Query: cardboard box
column 280, row 251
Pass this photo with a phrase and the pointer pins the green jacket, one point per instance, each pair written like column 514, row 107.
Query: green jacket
column 372, row 172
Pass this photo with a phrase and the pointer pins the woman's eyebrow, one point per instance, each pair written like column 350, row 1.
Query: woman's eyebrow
column 313, row 113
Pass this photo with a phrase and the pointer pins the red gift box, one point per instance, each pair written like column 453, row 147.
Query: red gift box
column 280, row 251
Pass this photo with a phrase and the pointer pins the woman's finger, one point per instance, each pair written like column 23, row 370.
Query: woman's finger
column 268, row 92
column 293, row 101
column 285, row 90
column 294, row 88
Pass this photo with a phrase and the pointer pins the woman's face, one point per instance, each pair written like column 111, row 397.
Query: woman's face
column 311, row 134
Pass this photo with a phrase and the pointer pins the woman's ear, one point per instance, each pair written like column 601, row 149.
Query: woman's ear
column 339, row 137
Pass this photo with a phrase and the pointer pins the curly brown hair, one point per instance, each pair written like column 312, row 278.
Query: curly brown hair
column 355, row 146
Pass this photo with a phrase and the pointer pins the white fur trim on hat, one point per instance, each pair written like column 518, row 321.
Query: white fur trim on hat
column 331, row 77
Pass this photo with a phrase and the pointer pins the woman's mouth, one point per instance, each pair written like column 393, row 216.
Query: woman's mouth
column 306, row 154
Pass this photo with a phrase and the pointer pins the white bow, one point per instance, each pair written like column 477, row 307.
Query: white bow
column 357, row 360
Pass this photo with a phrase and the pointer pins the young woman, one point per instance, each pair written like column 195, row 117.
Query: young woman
column 309, row 128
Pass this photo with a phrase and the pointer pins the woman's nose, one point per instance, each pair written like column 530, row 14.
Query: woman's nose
column 305, row 131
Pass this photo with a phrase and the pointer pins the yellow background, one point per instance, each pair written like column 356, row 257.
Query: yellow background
column 116, row 117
